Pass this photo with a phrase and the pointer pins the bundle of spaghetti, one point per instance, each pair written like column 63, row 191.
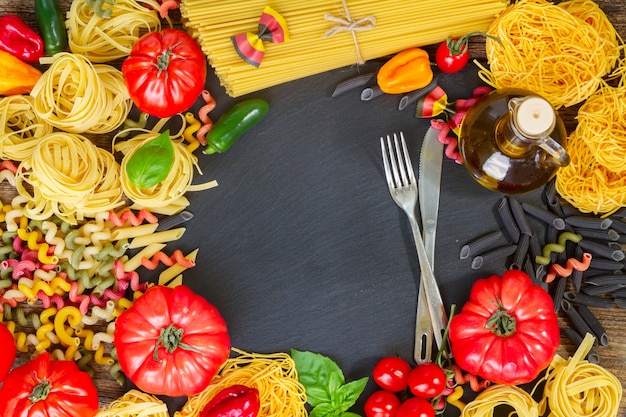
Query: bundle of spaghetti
column 273, row 375
column 70, row 177
column 22, row 127
column 487, row 402
column 561, row 53
column 134, row 403
column 576, row 387
column 595, row 181
column 168, row 196
column 77, row 96
column 105, row 39
column 326, row 35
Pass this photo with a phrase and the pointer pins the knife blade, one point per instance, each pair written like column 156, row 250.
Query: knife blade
column 430, row 166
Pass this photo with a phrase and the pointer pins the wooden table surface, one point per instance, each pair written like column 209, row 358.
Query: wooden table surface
column 613, row 356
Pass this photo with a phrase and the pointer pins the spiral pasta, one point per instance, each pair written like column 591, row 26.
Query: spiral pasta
column 77, row 96
column 70, row 177
column 106, row 39
column 22, row 127
column 551, row 50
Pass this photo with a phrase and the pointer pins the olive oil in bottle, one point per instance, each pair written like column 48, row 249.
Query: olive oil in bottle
column 512, row 141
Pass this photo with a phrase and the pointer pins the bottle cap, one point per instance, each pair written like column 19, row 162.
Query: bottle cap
column 535, row 117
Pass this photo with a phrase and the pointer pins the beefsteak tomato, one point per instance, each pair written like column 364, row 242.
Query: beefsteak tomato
column 165, row 72
column 45, row 387
column 507, row 332
column 171, row 341
column 8, row 351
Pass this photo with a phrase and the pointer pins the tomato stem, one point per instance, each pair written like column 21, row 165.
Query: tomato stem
column 41, row 391
column 171, row 338
column 502, row 323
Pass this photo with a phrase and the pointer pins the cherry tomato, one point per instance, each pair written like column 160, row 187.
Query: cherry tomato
column 415, row 407
column 452, row 55
column 427, row 380
column 391, row 373
column 381, row 404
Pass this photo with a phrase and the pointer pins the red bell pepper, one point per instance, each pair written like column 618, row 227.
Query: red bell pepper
column 18, row 39
column 233, row 401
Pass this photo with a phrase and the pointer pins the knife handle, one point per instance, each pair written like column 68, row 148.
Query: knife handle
column 423, row 347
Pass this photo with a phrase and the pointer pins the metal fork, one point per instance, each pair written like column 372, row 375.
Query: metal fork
column 403, row 189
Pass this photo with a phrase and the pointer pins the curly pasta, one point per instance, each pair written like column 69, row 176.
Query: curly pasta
column 107, row 39
column 539, row 46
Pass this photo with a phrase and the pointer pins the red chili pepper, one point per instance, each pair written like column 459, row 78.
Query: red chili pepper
column 18, row 39
column 234, row 401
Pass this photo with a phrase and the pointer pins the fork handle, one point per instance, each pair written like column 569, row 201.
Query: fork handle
column 423, row 347
column 437, row 311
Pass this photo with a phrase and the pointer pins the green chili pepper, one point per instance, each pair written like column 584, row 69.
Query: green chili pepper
column 51, row 23
column 234, row 123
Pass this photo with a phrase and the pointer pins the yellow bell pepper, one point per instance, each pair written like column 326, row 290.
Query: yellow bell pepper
column 16, row 76
column 406, row 71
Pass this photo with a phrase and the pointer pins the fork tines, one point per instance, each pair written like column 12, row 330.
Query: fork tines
column 397, row 161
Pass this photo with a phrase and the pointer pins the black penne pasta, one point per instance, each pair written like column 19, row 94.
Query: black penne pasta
column 569, row 210
column 602, row 250
column 352, row 83
column 371, row 93
column 544, row 215
column 559, row 291
column 576, row 339
column 620, row 213
column 598, row 234
column 577, row 274
column 620, row 302
column 588, row 300
column 479, row 244
column 589, row 222
column 521, row 252
column 606, row 279
column 594, row 324
column 517, row 211
column 413, row 96
column 508, row 222
column 618, row 224
column 493, row 255
column 540, row 274
column 576, row 319
column 619, row 294
column 529, row 268
column 601, row 289
column 535, row 248
column 600, row 264
column 550, row 192
column 174, row 220
column 552, row 236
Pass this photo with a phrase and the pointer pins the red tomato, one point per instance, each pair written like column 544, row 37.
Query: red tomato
column 452, row 55
column 507, row 332
column 43, row 387
column 165, row 72
column 415, row 407
column 427, row 380
column 8, row 351
column 391, row 373
column 381, row 404
column 171, row 341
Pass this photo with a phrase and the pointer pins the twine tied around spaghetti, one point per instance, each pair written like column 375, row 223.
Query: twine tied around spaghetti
column 353, row 26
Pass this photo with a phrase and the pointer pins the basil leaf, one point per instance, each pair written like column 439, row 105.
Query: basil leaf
column 320, row 376
column 347, row 394
column 324, row 410
column 151, row 162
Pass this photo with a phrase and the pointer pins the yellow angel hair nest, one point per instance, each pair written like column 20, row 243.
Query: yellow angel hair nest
column 595, row 179
column 135, row 403
column 559, row 51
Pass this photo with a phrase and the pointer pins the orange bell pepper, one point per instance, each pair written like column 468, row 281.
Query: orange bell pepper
column 406, row 71
column 16, row 76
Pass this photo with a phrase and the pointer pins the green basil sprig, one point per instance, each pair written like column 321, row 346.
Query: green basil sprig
column 327, row 391
column 151, row 162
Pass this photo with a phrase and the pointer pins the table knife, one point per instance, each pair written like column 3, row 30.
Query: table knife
column 431, row 158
